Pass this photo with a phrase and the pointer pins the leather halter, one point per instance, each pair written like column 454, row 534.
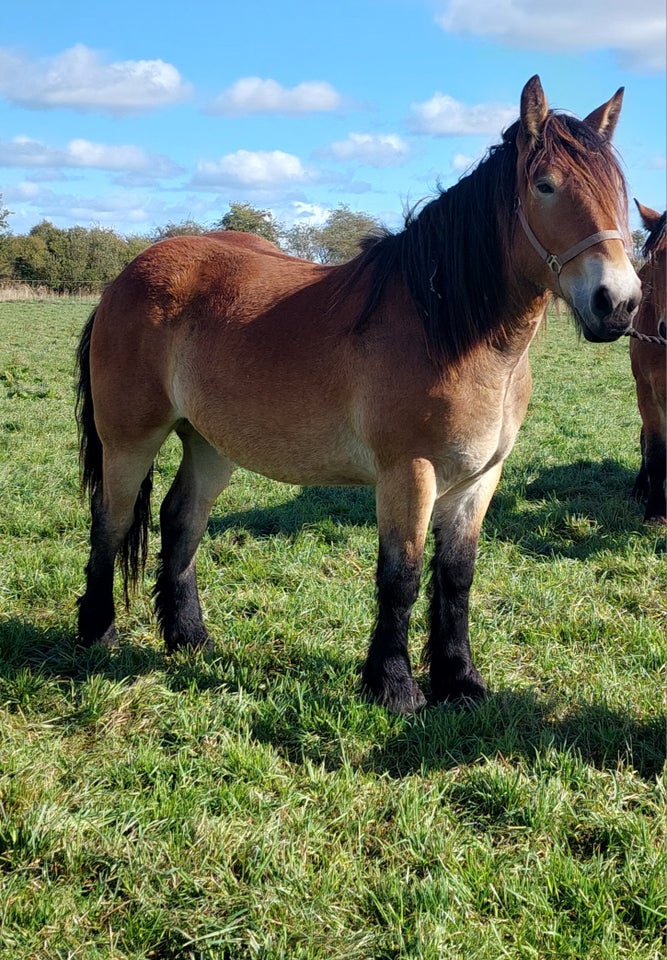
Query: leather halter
column 556, row 261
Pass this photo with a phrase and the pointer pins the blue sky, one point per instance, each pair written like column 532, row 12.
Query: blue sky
column 131, row 115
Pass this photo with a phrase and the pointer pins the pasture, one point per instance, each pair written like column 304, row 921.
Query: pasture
column 248, row 803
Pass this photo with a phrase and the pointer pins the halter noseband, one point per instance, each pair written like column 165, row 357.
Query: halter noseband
column 556, row 261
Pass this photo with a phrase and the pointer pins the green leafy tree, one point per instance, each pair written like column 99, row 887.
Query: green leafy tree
column 55, row 265
column 248, row 219
column 638, row 241
column 106, row 256
column 4, row 216
column 134, row 245
column 72, row 259
column 340, row 238
column 185, row 228
column 5, row 257
column 302, row 240
column 30, row 259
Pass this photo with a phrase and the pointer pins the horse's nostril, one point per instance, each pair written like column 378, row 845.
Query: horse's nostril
column 601, row 303
column 633, row 304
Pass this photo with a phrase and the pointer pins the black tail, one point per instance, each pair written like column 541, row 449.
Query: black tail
column 134, row 548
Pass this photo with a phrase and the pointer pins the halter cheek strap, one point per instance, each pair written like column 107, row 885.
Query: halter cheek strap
column 555, row 261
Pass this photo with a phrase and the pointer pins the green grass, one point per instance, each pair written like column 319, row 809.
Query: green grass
column 248, row 804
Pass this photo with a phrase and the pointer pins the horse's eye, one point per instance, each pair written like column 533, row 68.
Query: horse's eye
column 544, row 187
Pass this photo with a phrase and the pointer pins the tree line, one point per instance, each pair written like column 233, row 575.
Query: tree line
column 66, row 260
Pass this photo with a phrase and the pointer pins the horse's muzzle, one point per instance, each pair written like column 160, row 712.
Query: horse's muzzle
column 606, row 320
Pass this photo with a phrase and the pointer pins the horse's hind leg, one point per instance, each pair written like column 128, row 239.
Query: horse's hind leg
column 119, row 502
column 202, row 475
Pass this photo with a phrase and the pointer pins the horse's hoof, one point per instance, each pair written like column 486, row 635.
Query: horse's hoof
column 402, row 698
column 108, row 640
column 199, row 641
column 465, row 692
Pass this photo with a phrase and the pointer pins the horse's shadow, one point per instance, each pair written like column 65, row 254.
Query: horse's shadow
column 522, row 723
column 310, row 507
column 574, row 511
column 53, row 654
column 510, row 723
column 298, row 723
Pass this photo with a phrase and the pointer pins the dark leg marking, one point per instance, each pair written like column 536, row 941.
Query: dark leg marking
column 387, row 677
column 454, row 676
column 202, row 475
column 96, row 606
column 655, row 464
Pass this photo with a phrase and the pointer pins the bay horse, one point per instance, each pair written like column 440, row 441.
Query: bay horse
column 405, row 369
column 649, row 367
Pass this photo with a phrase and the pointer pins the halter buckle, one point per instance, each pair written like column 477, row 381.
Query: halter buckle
column 554, row 263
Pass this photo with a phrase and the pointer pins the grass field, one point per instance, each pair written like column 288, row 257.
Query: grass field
column 248, row 804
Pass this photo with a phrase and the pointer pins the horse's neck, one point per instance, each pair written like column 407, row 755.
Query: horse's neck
column 523, row 327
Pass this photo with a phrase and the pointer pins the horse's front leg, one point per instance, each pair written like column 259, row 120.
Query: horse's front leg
column 404, row 499
column 457, row 522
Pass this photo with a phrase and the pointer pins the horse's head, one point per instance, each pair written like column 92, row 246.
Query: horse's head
column 572, row 205
column 654, row 271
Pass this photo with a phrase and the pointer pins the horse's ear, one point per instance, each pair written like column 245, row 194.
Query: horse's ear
column 605, row 118
column 650, row 218
column 534, row 110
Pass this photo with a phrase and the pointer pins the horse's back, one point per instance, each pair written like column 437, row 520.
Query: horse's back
column 183, row 271
column 238, row 338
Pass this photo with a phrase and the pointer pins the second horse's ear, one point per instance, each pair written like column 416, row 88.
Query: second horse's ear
column 605, row 118
column 534, row 110
column 650, row 218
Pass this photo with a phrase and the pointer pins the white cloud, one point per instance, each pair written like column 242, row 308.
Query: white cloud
column 461, row 162
column 311, row 213
column 24, row 152
column 40, row 203
column 254, row 95
column 23, row 191
column 443, row 116
column 245, row 168
column 380, row 150
column 635, row 31
column 79, row 79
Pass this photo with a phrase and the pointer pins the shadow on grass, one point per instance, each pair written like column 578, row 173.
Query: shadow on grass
column 520, row 723
column 298, row 710
column 596, row 481
column 574, row 511
column 54, row 654
column 510, row 725
column 342, row 506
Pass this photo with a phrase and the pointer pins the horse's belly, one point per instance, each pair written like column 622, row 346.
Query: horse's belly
column 298, row 455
